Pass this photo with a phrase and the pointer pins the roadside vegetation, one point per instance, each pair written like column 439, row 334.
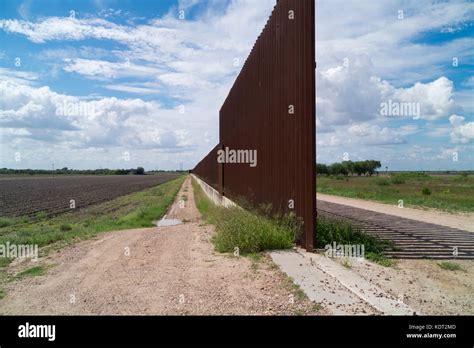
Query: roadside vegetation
column 32, row 272
column 454, row 193
column 341, row 232
column 249, row 231
column 451, row 266
column 255, row 231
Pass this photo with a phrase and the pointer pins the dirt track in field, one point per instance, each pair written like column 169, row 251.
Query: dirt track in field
column 162, row 270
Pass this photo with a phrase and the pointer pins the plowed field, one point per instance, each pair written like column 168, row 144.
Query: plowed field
column 21, row 196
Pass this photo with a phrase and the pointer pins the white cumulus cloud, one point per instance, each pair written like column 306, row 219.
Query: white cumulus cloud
column 462, row 132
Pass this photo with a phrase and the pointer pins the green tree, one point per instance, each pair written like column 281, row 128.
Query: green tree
column 139, row 171
column 322, row 169
column 337, row 169
column 349, row 166
column 359, row 168
column 372, row 166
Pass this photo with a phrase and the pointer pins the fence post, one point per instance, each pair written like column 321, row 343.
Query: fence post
column 220, row 173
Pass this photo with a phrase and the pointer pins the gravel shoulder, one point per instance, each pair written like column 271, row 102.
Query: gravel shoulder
column 162, row 270
column 424, row 285
column 463, row 221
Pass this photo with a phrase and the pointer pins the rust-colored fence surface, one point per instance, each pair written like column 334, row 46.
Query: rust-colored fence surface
column 208, row 169
column 270, row 111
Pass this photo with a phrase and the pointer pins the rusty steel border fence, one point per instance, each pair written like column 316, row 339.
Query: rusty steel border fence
column 209, row 170
column 271, row 109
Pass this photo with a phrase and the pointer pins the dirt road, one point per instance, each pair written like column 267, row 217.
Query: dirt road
column 162, row 270
column 462, row 221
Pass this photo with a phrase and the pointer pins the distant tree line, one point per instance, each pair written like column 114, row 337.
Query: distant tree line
column 66, row 170
column 347, row 168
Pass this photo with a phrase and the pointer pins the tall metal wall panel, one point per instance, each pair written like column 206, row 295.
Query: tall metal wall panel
column 271, row 109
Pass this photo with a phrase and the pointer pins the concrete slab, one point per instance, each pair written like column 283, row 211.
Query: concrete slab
column 213, row 194
column 325, row 281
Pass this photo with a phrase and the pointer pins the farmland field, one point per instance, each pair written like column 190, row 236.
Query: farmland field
column 454, row 193
column 29, row 196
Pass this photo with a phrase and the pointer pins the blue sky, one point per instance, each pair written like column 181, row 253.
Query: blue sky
column 126, row 83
